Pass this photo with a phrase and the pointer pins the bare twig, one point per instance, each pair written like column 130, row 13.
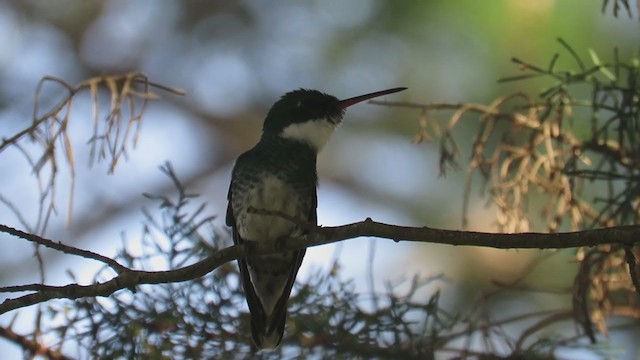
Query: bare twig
column 63, row 248
column 31, row 346
column 633, row 268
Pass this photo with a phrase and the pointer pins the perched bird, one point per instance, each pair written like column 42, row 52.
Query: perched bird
column 279, row 174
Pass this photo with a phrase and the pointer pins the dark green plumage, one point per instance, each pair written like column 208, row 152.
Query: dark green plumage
column 279, row 174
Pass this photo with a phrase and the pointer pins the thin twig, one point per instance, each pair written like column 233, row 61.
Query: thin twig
column 31, row 346
column 633, row 269
column 64, row 248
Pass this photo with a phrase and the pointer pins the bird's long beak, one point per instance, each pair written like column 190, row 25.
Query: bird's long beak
column 343, row 104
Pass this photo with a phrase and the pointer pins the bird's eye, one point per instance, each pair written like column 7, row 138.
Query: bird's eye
column 298, row 104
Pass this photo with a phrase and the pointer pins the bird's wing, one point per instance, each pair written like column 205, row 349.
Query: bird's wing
column 255, row 307
column 280, row 310
column 258, row 317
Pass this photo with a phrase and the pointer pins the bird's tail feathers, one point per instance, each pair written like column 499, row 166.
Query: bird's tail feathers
column 268, row 334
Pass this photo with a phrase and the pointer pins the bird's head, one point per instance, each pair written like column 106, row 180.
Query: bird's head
column 310, row 116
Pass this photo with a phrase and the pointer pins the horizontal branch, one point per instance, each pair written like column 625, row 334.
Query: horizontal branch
column 129, row 278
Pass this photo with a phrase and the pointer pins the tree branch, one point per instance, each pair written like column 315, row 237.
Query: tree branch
column 31, row 346
column 129, row 278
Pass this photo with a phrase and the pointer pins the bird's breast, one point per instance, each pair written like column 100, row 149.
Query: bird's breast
column 271, row 194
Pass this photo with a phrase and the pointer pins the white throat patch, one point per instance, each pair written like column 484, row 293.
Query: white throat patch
column 314, row 132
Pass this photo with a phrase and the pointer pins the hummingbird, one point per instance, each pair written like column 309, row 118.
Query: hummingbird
column 279, row 174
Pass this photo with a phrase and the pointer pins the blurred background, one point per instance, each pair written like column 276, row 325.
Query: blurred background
column 234, row 59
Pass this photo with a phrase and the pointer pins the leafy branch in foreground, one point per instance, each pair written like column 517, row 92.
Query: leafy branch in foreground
column 130, row 278
column 206, row 317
